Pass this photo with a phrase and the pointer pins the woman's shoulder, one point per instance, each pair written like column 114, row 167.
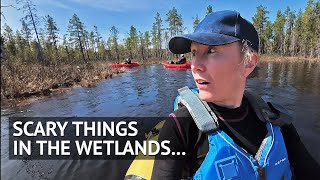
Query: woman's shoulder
column 183, row 116
column 182, row 121
column 182, row 112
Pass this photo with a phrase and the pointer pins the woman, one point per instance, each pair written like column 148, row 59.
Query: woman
column 245, row 137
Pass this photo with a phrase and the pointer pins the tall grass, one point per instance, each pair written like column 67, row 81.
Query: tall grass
column 20, row 80
column 276, row 58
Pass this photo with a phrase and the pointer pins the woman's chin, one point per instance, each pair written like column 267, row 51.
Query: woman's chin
column 206, row 96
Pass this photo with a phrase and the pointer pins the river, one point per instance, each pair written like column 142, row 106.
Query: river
column 149, row 91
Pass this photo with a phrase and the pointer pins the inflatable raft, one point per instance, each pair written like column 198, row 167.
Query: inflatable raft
column 177, row 66
column 133, row 64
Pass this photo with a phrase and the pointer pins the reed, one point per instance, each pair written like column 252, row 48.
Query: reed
column 23, row 80
column 295, row 59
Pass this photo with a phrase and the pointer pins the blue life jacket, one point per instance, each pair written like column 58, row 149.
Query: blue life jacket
column 225, row 159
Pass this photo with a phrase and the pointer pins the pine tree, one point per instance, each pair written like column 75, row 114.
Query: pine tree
column 21, row 46
column 196, row 21
column 26, row 33
column 147, row 43
column 296, row 45
column 85, row 40
column 102, row 50
column 8, row 40
column 52, row 32
column 317, row 27
column 154, row 40
column 98, row 40
column 114, row 41
column 267, row 37
column 141, row 45
column 157, row 35
column 278, row 27
column 166, row 39
column 108, row 48
column 2, row 53
column 132, row 42
column 65, row 45
column 175, row 22
column 209, row 10
column 32, row 19
column 308, row 42
column 92, row 44
column 76, row 29
column 259, row 21
column 289, row 24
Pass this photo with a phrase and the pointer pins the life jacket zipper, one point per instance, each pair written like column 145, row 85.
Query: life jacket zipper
column 262, row 173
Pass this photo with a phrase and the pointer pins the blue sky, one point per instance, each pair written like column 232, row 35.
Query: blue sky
column 139, row 13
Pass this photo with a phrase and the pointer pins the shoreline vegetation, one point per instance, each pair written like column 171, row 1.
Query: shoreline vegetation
column 22, row 83
column 287, row 59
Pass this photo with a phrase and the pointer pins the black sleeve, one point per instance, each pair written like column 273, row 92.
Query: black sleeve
column 171, row 167
column 304, row 166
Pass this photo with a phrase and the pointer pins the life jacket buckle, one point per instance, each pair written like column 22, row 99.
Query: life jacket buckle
column 266, row 114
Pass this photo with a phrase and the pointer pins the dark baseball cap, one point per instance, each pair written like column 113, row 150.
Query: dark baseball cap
column 217, row 28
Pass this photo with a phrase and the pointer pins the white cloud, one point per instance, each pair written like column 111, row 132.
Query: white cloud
column 59, row 4
column 120, row 5
column 13, row 16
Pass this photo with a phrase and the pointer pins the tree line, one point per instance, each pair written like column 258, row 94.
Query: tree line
column 291, row 34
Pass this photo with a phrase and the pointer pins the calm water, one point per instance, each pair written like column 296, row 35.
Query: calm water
column 149, row 91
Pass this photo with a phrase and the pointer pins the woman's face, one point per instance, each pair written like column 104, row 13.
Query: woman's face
column 218, row 72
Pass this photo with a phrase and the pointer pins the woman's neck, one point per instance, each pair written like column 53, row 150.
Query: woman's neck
column 231, row 104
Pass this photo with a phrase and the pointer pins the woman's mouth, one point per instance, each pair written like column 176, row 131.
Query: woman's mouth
column 202, row 82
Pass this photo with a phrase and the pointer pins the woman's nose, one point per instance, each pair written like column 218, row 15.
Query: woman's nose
column 197, row 63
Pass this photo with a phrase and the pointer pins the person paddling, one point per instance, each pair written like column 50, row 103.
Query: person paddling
column 182, row 59
column 128, row 61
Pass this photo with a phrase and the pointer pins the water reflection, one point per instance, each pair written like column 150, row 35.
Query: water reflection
column 304, row 76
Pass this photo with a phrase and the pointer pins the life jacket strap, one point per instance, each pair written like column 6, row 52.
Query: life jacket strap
column 268, row 112
column 206, row 119
column 252, row 148
column 203, row 116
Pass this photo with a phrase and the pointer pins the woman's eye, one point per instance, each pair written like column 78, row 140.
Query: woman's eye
column 193, row 54
column 211, row 51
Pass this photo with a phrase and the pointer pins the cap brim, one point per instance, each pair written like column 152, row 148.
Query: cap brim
column 181, row 44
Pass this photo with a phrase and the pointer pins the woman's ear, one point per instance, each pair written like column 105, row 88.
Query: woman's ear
column 249, row 67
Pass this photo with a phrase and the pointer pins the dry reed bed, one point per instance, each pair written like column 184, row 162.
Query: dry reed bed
column 21, row 80
column 268, row 58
